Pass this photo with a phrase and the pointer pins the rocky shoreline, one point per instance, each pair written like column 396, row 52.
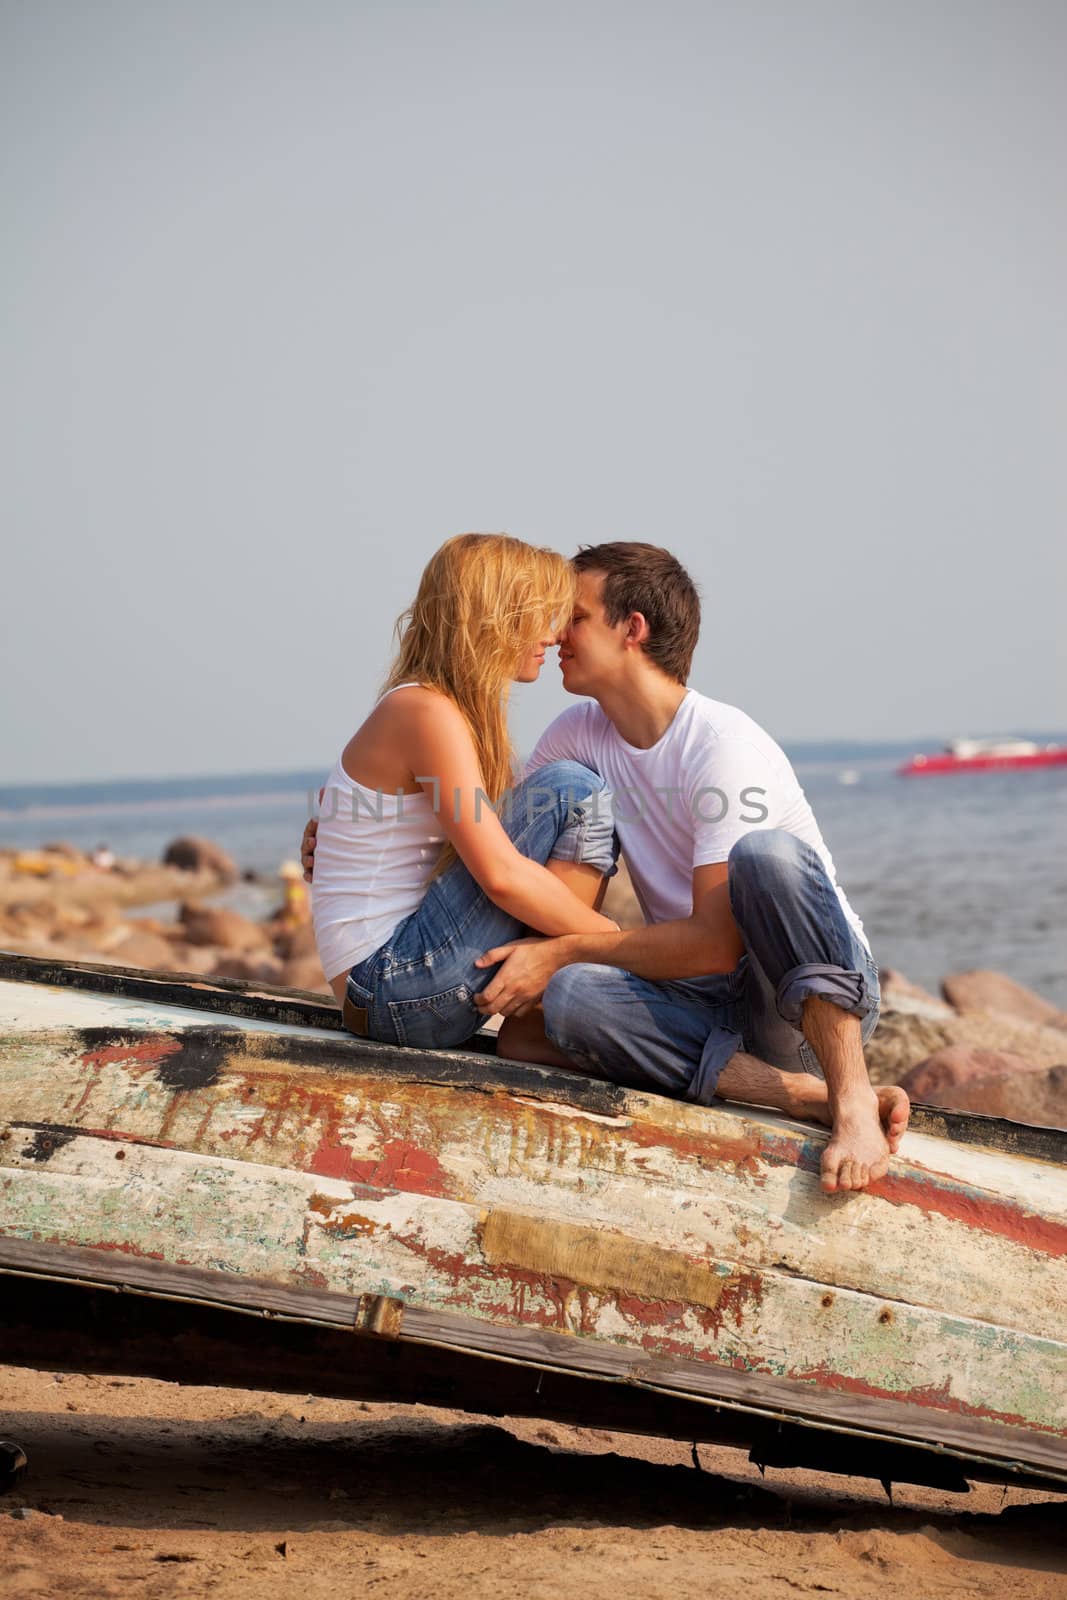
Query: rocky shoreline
column 986, row 1044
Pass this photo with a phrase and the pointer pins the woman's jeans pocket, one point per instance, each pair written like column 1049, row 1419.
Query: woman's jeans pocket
column 436, row 1021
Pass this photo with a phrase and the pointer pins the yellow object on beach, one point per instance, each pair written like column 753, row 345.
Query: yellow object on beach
column 295, row 909
column 43, row 864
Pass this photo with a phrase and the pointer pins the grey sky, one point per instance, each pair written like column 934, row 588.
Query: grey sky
column 293, row 292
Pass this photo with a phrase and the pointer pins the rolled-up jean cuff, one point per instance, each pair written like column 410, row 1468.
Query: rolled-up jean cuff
column 589, row 837
column 849, row 990
column 718, row 1052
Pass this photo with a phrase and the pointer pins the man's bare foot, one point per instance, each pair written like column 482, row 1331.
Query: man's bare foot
column 894, row 1107
column 858, row 1151
column 857, row 1154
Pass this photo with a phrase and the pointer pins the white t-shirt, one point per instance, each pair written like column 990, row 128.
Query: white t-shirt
column 685, row 802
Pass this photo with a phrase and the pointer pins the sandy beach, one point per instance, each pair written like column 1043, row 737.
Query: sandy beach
column 139, row 1487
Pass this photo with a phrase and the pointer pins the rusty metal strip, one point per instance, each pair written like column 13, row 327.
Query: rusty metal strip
column 379, row 1314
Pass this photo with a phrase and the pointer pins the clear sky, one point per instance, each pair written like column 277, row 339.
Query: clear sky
column 291, row 292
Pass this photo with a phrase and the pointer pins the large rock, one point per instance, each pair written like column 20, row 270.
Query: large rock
column 142, row 947
column 1036, row 1097
column 198, row 959
column 294, row 944
column 900, row 994
column 305, row 972
column 70, row 852
column 980, row 990
column 903, row 1039
column 900, row 1041
column 253, row 968
column 193, row 854
column 216, row 925
column 937, row 1080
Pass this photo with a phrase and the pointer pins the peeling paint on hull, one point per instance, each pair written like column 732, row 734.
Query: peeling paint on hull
column 686, row 1232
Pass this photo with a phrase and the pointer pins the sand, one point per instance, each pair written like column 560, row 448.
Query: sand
column 149, row 1489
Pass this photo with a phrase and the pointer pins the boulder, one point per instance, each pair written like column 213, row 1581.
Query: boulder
column 199, row 959
column 305, row 972
column 70, row 852
column 904, row 1039
column 294, row 944
column 900, row 994
column 937, row 1080
column 107, row 931
column 141, row 948
column 1038, row 1097
column 900, row 1041
column 252, row 968
column 979, row 990
column 193, row 854
column 216, row 925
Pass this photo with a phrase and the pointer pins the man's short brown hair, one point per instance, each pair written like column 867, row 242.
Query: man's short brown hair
column 642, row 577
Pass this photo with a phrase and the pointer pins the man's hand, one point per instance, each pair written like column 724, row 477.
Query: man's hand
column 307, row 847
column 526, row 966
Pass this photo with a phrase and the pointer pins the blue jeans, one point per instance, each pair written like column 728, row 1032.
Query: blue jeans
column 419, row 987
column 676, row 1038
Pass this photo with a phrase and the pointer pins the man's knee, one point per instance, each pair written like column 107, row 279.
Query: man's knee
column 571, row 1001
column 568, row 778
column 764, row 856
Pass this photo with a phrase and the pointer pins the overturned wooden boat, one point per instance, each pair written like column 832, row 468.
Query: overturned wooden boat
column 206, row 1181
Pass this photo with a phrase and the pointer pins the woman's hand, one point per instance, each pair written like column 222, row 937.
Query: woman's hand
column 526, row 965
column 307, row 848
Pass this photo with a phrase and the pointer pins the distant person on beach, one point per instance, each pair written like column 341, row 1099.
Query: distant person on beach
column 752, row 973
column 295, row 910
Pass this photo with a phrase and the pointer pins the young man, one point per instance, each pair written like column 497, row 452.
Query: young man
column 752, row 974
column 751, row 957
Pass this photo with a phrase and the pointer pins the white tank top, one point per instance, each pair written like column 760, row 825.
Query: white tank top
column 373, row 858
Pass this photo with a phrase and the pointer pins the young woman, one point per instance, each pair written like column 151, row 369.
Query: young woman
column 429, row 852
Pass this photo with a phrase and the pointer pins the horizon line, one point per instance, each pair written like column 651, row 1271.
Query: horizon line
column 920, row 743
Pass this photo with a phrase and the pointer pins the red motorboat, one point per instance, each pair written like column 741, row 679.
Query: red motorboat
column 985, row 755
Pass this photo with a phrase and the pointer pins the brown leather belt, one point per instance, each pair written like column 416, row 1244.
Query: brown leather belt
column 354, row 1017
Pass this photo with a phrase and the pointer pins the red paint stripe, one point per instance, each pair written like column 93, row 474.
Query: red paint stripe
column 149, row 1052
column 401, row 1165
column 976, row 1209
column 933, row 1398
column 979, row 1210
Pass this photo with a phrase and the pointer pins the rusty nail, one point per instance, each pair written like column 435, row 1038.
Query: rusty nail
column 885, row 1316
column 120, row 1155
column 827, row 1299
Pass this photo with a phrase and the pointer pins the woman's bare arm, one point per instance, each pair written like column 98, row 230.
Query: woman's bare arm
column 436, row 744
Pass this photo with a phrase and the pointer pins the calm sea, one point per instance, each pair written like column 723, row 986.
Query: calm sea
column 947, row 873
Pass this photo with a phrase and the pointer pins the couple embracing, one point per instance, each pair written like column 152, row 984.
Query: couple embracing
column 445, row 888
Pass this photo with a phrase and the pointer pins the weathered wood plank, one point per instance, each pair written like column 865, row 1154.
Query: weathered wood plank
column 271, row 1004
column 716, row 1181
column 78, row 1327
column 606, row 1285
column 967, row 1437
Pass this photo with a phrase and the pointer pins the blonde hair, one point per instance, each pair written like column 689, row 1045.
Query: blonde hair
column 483, row 601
